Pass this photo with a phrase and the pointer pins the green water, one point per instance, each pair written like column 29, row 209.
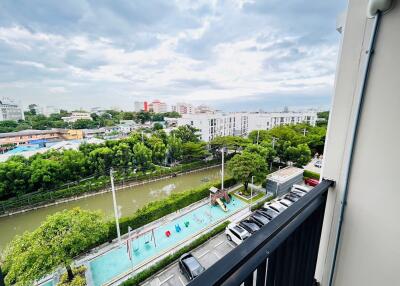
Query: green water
column 128, row 200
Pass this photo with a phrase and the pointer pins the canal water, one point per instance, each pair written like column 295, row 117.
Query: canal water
column 128, row 200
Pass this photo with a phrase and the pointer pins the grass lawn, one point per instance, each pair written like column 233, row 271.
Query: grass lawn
column 255, row 198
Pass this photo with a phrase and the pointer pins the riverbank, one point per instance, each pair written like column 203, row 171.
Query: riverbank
column 119, row 185
column 129, row 200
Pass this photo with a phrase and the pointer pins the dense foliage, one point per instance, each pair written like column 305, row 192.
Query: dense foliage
column 60, row 238
column 294, row 143
column 53, row 169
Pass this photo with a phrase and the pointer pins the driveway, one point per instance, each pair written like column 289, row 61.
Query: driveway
column 208, row 253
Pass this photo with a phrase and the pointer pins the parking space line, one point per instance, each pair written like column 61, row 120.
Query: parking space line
column 217, row 255
column 230, row 244
column 180, row 279
column 219, row 243
column 165, row 280
column 200, row 256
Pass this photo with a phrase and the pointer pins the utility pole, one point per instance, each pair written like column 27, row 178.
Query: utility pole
column 222, row 169
column 304, row 132
column 115, row 205
column 258, row 135
column 251, row 190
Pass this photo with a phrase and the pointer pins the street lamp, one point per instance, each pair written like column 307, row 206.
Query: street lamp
column 251, row 190
column 115, row 205
column 222, row 168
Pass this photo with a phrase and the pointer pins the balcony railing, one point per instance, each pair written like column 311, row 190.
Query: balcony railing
column 282, row 253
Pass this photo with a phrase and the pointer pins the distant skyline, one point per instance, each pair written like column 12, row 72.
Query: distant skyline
column 233, row 55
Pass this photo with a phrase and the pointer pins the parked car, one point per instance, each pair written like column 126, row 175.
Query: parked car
column 301, row 188
column 259, row 218
column 268, row 212
column 297, row 193
column 249, row 225
column 318, row 164
column 189, row 266
column 311, row 182
column 236, row 233
column 285, row 202
column 276, row 206
column 292, row 197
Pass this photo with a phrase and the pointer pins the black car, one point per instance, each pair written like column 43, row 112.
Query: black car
column 269, row 213
column 189, row 266
column 259, row 218
column 249, row 225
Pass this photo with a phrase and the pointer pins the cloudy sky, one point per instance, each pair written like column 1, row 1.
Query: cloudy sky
column 232, row 54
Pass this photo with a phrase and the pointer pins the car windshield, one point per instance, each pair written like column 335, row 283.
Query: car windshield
column 194, row 266
column 261, row 218
column 271, row 213
column 252, row 225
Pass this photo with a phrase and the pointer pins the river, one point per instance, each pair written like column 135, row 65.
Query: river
column 128, row 200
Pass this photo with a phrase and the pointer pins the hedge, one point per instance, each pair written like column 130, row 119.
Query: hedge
column 261, row 203
column 147, row 273
column 158, row 209
column 93, row 185
column 309, row 174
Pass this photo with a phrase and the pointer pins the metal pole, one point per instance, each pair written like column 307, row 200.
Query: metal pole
column 115, row 205
column 222, row 169
column 273, row 148
column 258, row 135
column 130, row 248
column 251, row 190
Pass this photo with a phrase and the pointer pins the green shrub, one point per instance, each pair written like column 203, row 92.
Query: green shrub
column 145, row 274
column 309, row 174
column 79, row 278
column 261, row 203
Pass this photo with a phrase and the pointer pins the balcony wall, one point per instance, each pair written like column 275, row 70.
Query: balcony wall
column 368, row 250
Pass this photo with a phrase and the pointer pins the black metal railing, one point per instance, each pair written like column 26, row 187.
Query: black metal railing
column 282, row 253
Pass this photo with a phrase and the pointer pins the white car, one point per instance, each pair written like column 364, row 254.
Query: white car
column 276, row 206
column 301, row 188
column 286, row 202
column 236, row 233
column 318, row 164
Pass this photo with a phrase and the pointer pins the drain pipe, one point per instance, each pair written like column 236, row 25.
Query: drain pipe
column 375, row 8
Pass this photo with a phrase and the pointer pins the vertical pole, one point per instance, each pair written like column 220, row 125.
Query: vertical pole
column 251, row 190
column 130, row 255
column 258, row 135
column 273, row 148
column 115, row 205
column 222, row 170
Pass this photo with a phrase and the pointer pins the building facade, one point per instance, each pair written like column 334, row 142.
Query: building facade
column 212, row 125
column 158, row 106
column 29, row 136
column 141, row 106
column 10, row 111
column 183, row 108
column 77, row 115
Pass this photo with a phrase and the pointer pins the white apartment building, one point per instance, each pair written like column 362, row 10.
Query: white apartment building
column 157, row 106
column 183, row 108
column 10, row 111
column 77, row 115
column 241, row 123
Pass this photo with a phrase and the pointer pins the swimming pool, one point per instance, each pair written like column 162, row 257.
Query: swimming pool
column 115, row 262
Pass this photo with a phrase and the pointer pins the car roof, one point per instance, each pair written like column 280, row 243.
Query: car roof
column 192, row 263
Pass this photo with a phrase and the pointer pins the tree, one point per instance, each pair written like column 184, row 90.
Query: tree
column 142, row 156
column 194, row 151
column 142, row 117
column 157, row 126
column 101, row 159
column 174, row 148
column 158, row 148
column 231, row 142
column 243, row 166
column 123, row 155
column 186, row 133
column 84, row 124
column 262, row 135
column 14, row 177
column 300, row 155
column 60, row 238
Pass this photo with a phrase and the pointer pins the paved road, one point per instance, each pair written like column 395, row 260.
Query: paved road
column 208, row 253
column 310, row 166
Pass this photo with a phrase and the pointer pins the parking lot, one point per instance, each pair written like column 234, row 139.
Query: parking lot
column 208, row 253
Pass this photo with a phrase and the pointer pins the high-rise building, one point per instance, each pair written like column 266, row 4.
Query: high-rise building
column 141, row 106
column 10, row 111
column 157, row 106
column 183, row 108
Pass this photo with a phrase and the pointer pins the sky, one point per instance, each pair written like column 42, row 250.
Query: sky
column 235, row 55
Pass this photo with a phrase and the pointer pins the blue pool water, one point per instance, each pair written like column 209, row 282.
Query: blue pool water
column 23, row 148
column 107, row 266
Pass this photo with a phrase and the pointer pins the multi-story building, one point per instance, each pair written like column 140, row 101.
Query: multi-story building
column 77, row 115
column 204, row 109
column 212, row 125
column 30, row 136
column 10, row 111
column 183, row 108
column 141, row 106
column 158, row 106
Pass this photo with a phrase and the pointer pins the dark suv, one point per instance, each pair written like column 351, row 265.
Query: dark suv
column 189, row 266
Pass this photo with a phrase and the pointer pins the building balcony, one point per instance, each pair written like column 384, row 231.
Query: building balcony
column 283, row 252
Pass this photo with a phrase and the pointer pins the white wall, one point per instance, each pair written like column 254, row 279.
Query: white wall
column 369, row 253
